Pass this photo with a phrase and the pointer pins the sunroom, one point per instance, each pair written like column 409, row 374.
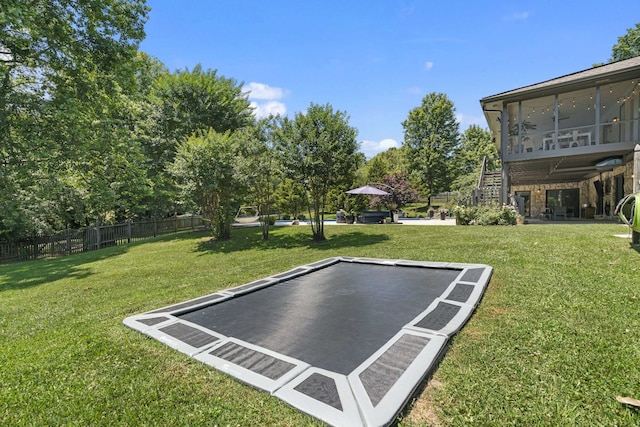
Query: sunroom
column 567, row 144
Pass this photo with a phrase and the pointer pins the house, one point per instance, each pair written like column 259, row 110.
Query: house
column 566, row 145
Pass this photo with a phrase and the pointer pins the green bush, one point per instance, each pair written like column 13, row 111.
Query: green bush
column 271, row 219
column 465, row 215
column 486, row 215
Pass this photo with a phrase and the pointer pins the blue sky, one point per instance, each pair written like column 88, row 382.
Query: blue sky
column 377, row 60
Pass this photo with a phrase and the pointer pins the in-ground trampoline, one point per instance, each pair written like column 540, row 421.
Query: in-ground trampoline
column 346, row 340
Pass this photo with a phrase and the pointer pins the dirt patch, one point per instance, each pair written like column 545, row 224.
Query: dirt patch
column 422, row 412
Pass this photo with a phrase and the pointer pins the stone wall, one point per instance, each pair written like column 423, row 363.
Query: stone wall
column 587, row 190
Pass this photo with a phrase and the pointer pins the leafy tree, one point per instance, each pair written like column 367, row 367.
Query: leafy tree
column 393, row 160
column 146, row 130
column 476, row 143
column 400, row 192
column 291, row 197
column 628, row 45
column 258, row 167
column 65, row 71
column 197, row 100
column 377, row 168
column 206, row 171
column 178, row 105
column 431, row 137
column 319, row 150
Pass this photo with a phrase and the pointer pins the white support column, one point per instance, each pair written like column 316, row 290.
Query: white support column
column 520, row 129
column 556, row 121
column 504, row 144
column 504, row 132
column 635, row 236
column 597, row 111
column 504, row 194
column 636, row 168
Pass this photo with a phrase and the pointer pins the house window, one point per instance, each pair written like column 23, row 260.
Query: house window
column 567, row 197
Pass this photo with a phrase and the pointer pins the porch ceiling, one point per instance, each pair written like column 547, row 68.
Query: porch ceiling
column 558, row 169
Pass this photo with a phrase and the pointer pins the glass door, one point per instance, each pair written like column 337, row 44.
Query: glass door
column 526, row 196
column 568, row 198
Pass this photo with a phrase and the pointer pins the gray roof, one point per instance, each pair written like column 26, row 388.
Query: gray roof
column 607, row 73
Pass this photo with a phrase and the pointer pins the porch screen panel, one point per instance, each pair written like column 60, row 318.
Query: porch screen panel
column 577, row 117
column 629, row 110
column 538, row 122
column 513, row 145
column 618, row 116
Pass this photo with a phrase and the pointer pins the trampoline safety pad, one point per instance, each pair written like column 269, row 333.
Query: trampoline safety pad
column 346, row 340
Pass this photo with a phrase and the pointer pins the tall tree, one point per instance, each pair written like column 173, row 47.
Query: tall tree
column 431, row 136
column 205, row 166
column 319, row 150
column 180, row 104
column 377, row 168
column 65, row 68
column 476, row 143
column 628, row 45
column 258, row 167
column 197, row 100
column 291, row 198
column 145, row 108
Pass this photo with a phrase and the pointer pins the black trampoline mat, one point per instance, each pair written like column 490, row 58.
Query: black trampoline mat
column 346, row 340
column 334, row 318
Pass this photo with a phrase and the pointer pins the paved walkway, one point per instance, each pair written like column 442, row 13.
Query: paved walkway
column 403, row 221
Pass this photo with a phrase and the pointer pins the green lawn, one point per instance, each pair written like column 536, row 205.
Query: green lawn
column 555, row 339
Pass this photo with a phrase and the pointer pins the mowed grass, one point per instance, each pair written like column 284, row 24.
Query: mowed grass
column 555, row 339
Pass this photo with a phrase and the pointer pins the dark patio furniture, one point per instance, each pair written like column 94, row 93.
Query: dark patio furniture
column 373, row 217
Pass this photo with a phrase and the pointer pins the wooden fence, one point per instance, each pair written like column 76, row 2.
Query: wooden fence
column 70, row 241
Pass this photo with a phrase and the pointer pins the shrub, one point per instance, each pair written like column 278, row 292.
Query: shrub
column 486, row 215
column 271, row 219
column 465, row 214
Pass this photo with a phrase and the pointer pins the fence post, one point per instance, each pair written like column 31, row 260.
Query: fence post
column 155, row 227
column 68, row 231
column 175, row 224
column 129, row 231
column 97, row 234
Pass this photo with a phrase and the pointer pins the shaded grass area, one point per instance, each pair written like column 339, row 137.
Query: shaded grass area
column 555, row 339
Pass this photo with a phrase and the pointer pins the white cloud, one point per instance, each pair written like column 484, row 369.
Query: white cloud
column 385, row 144
column 269, row 97
column 265, row 109
column 263, row 91
column 371, row 148
column 517, row 16
column 428, row 65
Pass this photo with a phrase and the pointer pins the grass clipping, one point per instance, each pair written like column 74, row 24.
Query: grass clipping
column 628, row 401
